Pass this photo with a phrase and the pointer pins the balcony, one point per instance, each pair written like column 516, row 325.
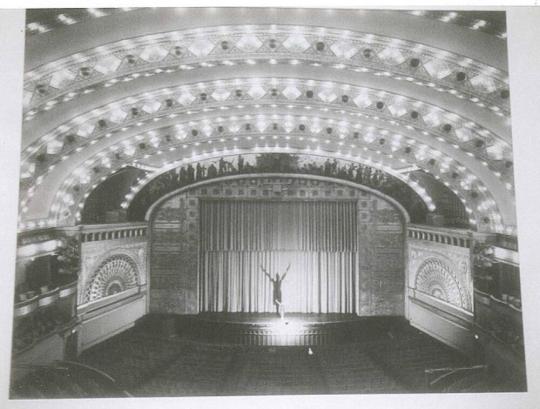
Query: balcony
column 39, row 315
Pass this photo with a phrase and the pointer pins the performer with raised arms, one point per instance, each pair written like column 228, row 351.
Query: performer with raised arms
column 276, row 290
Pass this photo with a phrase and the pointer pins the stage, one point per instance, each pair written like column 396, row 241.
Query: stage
column 273, row 318
column 267, row 329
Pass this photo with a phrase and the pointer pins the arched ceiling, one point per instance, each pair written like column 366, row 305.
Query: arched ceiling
column 154, row 88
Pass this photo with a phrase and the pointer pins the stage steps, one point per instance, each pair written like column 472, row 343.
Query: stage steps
column 268, row 330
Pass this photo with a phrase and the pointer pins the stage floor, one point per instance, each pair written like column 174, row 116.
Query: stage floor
column 271, row 318
column 269, row 329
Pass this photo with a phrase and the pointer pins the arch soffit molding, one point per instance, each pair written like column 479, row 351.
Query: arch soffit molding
column 156, row 205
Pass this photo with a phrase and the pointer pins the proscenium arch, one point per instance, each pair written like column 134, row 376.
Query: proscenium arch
column 321, row 154
column 424, row 197
column 445, row 148
column 395, row 204
column 431, row 134
column 270, row 149
column 197, row 70
column 151, row 215
column 70, row 171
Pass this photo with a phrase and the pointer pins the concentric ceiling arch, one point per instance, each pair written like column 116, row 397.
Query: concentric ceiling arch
column 152, row 88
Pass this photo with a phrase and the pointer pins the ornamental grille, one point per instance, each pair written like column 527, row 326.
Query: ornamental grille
column 436, row 279
column 116, row 274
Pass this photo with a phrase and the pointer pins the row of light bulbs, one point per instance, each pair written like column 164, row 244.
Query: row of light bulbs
column 344, row 127
column 67, row 64
column 185, row 146
column 248, row 38
column 295, row 62
column 126, row 147
column 509, row 186
column 452, row 16
column 494, row 109
column 68, row 199
column 465, row 129
column 36, row 27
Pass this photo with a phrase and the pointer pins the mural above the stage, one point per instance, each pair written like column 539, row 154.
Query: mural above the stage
column 144, row 195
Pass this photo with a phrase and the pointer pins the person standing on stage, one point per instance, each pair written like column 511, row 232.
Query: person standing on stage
column 276, row 290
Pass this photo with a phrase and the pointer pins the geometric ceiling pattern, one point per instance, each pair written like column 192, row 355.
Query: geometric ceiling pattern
column 159, row 88
column 63, row 80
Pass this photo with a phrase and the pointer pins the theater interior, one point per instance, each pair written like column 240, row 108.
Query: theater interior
column 172, row 156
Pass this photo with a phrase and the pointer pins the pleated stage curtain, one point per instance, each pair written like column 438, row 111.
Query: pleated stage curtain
column 318, row 239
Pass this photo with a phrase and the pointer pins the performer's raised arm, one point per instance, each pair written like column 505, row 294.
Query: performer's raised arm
column 286, row 271
column 268, row 275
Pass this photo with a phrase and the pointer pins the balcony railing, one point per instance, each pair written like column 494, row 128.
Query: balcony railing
column 112, row 232
column 453, row 237
column 43, row 314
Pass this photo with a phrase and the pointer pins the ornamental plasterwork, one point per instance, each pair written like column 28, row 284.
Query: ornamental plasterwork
column 115, row 274
column 282, row 187
column 95, row 253
column 435, row 278
column 450, row 267
column 78, row 185
column 65, row 79
column 359, row 103
column 62, row 81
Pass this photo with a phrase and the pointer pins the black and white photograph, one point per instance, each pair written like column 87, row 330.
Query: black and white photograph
column 237, row 202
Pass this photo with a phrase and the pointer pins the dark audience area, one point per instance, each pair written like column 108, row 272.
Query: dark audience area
column 392, row 357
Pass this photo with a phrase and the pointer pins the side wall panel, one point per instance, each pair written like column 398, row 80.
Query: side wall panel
column 440, row 288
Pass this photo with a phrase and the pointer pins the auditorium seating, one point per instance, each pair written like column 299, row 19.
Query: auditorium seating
column 66, row 380
column 477, row 378
column 391, row 357
column 132, row 359
column 198, row 370
column 278, row 370
column 350, row 369
column 387, row 357
column 407, row 356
